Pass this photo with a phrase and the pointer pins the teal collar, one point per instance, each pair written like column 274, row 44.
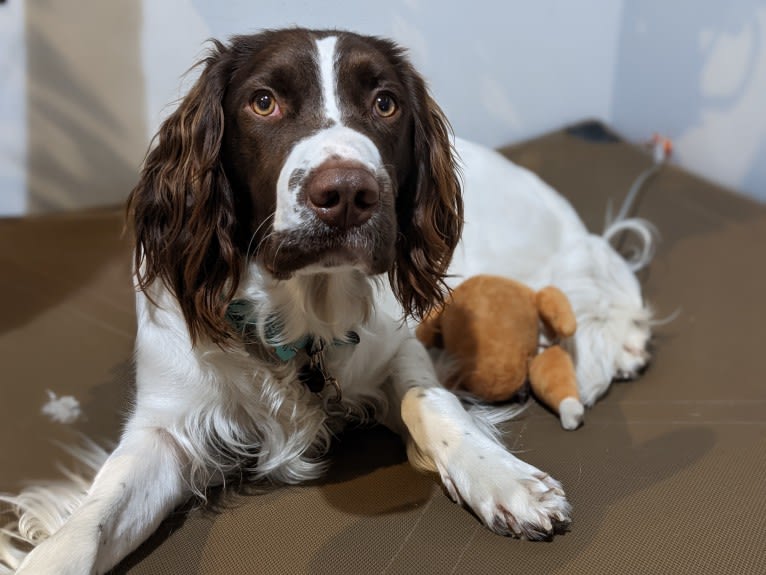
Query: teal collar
column 239, row 315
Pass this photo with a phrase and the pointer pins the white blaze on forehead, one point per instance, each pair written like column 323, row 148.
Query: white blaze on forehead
column 327, row 76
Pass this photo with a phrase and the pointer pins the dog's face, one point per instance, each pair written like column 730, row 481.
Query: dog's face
column 310, row 152
column 319, row 145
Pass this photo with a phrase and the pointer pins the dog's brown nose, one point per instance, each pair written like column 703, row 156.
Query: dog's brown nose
column 342, row 194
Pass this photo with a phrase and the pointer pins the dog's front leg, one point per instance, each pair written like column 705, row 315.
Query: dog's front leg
column 138, row 485
column 511, row 497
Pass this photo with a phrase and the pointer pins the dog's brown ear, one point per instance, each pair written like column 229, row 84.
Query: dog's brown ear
column 431, row 212
column 181, row 212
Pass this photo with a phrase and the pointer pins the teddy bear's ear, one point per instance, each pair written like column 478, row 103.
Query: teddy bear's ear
column 429, row 332
column 556, row 312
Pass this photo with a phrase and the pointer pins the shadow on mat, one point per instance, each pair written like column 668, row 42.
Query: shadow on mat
column 599, row 465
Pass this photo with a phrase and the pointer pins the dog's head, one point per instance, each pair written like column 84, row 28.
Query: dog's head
column 309, row 152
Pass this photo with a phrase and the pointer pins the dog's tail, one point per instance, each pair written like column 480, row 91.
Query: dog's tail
column 42, row 508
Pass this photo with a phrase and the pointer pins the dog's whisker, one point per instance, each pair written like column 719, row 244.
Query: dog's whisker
column 264, row 224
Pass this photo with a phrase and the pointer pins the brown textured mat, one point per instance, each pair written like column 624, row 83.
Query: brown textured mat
column 665, row 477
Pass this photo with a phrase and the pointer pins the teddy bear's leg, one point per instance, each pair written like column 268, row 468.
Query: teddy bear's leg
column 556, row 311
column 553, row 381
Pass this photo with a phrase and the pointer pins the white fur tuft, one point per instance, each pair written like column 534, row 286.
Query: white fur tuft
column 64, row 409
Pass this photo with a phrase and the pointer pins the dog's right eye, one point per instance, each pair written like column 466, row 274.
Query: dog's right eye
column 385, row 105
column 265, row 104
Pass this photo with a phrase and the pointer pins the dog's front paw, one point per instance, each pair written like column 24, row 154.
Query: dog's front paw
column 509, row 496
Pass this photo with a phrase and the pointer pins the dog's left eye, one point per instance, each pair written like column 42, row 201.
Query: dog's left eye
column 385, row 105
column 265, row 104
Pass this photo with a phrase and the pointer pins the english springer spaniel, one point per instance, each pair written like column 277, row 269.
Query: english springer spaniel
column 301, row 202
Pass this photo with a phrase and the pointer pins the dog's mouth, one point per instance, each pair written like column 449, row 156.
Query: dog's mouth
column 344, row 218
column 369, row 249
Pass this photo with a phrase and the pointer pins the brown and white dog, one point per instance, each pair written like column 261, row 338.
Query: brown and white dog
column 301, row 169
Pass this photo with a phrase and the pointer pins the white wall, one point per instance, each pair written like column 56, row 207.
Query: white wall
column 497, row 68
column 696, row 71
column 12, row 110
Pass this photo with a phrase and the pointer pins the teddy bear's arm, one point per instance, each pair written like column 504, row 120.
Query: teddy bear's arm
column 556, row 312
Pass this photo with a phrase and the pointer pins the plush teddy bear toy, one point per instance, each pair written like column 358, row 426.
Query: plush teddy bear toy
column 490, row 329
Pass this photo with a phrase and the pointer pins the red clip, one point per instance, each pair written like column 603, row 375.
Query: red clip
column 662, row 147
